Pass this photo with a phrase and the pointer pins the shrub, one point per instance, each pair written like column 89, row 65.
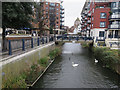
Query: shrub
column 85, row 44
column 43, row 61
column 54, row 53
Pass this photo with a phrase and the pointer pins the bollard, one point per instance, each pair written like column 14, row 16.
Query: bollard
column 31, row 42
column 10, row 49
column 46, row 39
column 62, row 38
column 38, row 43
column 42, row 40
column 23, row 45
column 69, row 38
column 77, row 38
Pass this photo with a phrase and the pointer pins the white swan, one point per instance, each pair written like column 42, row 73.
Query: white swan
column 96, row 61
column 74, row 65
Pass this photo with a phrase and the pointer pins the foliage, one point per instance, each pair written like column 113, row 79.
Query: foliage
column 44, row 61
column 30, row 75
column 85, row 44
column 108, row 57
column 54, row 53
column 16, row 82
column 16, row 14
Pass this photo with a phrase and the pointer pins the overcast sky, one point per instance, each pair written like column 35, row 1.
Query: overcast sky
column 73, row 9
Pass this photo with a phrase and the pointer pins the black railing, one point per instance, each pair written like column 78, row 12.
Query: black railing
column 23, row 44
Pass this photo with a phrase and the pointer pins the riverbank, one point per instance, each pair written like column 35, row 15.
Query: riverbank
column 107, row 57
column 27, row 76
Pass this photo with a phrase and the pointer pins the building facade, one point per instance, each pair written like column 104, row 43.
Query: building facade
column 101, row 20
column 95, row 19
column 53, row 12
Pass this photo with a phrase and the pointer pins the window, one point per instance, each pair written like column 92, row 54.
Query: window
column 114, row 4
column 46, row 7
column 57, row 17
column 57, row 13
column 46, row 3
column 57, row 4
column 57, row 22
column 101, row 34
column 101, row 6
column 102, row 24
column 92, row 25
column 102, row 15
column 56, row 26
column 92, row 18
column 57, row 9
column 93, row 10
column 52, row 4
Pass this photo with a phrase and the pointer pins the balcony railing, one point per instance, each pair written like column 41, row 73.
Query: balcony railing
column 88, row 28
column 115, row 36
column 86, row 12
column 85, row 18
column 89, row 21
column 61, row 16
column 114, row 26
column 85, row 24
column 89, row 14
column 61, row 12
column 115, row 16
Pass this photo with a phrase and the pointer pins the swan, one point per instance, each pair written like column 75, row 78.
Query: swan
column 96, row 61
column 74, row 65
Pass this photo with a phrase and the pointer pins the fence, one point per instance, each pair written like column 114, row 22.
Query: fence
column 23, row 44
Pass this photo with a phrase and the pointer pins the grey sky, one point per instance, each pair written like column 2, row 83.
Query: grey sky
column 73, row 9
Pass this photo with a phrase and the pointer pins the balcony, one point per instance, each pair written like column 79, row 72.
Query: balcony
column 89, row 21
column 61, row 16
column 86, row 19
column 62, row 9
column 88, row 28
column 86, row 8
column 89, row 14
column 114, row 17
column 86, row 12
column 85, row 24
column 61, row 12
column 61, row 20
column 83, row 21
column 114, row 26
column 83, row 17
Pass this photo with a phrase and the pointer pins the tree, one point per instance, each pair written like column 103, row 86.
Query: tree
column 15, row 15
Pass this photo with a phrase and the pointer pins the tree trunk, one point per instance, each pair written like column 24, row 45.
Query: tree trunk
column 4, row 43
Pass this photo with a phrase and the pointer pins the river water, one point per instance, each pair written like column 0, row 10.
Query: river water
column 87, row 74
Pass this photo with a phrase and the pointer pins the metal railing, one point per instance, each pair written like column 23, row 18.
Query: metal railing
column 23, row 44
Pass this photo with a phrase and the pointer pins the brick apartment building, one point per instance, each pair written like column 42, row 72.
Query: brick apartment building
column 101, row 20
column 54, row 12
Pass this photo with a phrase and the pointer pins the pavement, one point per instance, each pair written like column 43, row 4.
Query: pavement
column 6, row 56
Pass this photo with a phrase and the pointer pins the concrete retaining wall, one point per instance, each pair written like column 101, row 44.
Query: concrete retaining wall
column 16, row 65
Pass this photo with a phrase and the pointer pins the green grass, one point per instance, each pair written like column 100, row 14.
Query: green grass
column 54, row 53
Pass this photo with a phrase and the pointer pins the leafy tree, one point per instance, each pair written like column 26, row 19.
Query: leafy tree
column 15, row 15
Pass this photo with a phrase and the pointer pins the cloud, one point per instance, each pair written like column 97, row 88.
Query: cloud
column 73, row 9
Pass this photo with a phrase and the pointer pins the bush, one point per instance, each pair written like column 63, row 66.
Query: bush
column 108, row 57
column 54, row 53
column 85, row 44
column 44, row 61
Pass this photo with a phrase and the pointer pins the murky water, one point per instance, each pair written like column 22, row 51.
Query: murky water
column 87, row 74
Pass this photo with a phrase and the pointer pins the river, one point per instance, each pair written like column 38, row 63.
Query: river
column 87, row 74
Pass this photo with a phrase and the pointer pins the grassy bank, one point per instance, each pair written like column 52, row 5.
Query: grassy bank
column 109, row 58
column 29, row 75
